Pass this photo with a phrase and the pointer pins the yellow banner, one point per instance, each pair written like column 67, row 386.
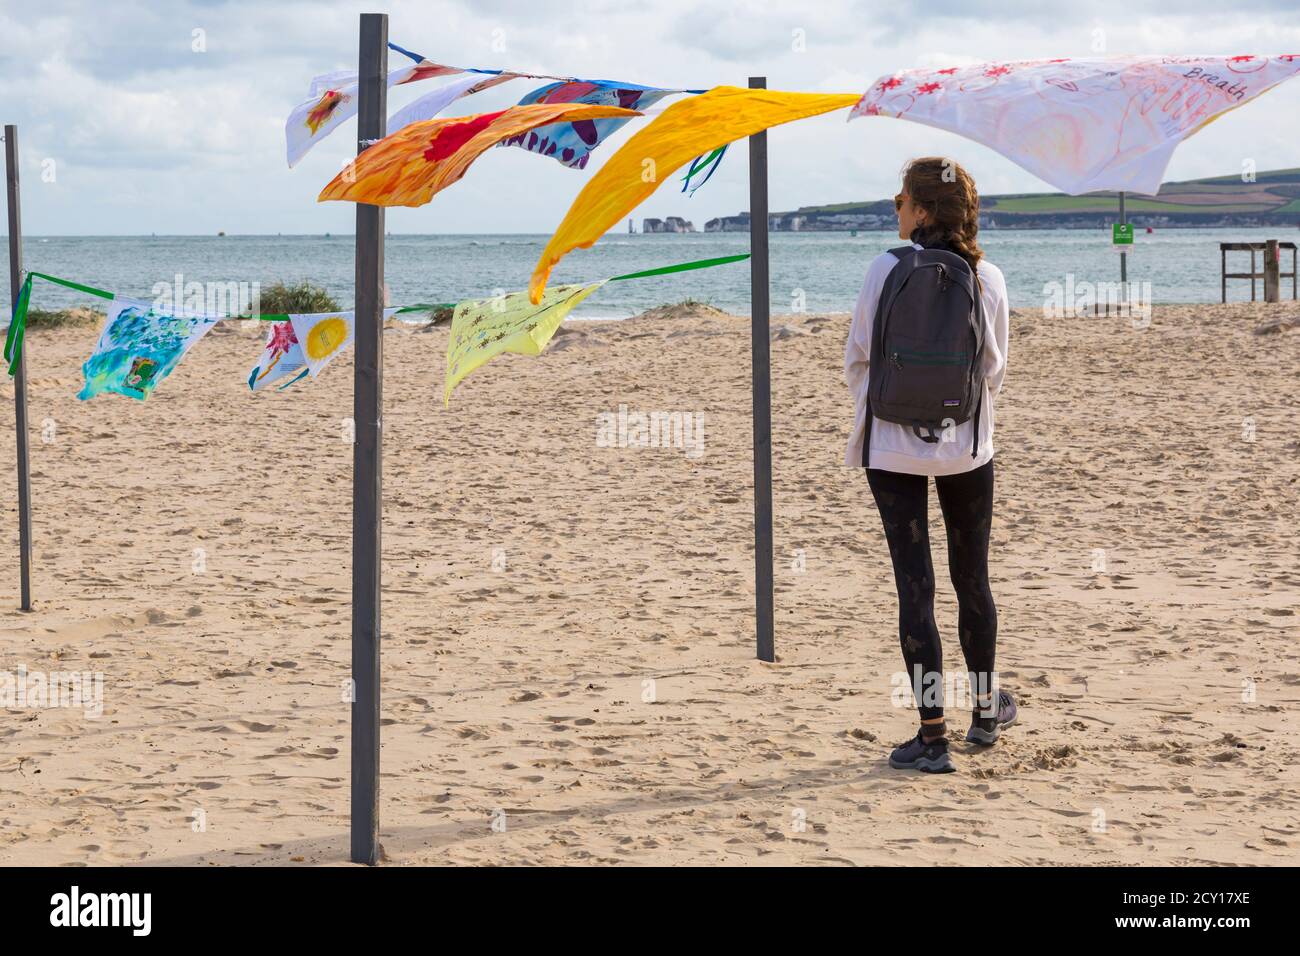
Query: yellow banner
column 481, row 330
column 691, row 127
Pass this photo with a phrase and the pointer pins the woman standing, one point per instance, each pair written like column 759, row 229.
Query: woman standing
column 938, row 208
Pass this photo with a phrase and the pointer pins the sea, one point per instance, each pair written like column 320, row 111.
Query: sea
column 813, row 272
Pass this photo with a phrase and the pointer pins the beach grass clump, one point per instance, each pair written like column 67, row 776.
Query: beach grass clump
column 301, row 299
column 63, row 318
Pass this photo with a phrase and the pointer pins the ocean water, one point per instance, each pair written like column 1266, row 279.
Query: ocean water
column 820, row 271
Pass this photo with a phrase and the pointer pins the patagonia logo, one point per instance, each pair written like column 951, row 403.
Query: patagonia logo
column 948, row 402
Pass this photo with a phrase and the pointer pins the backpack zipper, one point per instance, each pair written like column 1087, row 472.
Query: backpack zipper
column 926, row 358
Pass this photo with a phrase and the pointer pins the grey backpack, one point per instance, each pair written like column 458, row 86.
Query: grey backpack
column 926, row 342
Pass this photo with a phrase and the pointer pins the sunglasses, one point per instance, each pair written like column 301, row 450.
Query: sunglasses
column 898, row 202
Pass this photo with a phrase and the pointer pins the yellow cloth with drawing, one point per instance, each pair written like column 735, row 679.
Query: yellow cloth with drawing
column 689, row 128
column 483, row 329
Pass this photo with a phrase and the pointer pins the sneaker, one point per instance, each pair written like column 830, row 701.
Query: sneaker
column 985, row 730
column 916, row 754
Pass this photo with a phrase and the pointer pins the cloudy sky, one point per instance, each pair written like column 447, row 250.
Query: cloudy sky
column 169, row 118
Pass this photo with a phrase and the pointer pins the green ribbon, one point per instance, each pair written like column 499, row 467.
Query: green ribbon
column 88, row 289
column 682, row 267
column 17, row 323
column 699, row 164
column 426, row 307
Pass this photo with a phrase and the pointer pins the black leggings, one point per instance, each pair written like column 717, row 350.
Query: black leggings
column 967, row 503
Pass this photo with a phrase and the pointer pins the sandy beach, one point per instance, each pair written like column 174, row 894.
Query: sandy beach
column 569, row 672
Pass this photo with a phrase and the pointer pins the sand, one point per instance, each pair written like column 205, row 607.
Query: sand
column 569, row 671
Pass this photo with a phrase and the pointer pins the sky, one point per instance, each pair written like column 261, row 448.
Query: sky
column 168, row 118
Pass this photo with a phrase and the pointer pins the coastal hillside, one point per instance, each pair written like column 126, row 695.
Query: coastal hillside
column 1271, row 199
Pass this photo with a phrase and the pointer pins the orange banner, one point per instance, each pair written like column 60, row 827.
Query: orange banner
column 408, row 167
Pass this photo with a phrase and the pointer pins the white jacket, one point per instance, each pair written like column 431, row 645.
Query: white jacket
column 895, row 447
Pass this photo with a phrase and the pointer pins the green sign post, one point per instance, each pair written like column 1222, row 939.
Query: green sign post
column 1121, row 234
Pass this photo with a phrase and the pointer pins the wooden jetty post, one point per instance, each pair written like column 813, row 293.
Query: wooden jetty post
column 1272, row 274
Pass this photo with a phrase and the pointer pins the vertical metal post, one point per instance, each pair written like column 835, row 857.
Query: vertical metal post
column 761, row 371
column 20, row 374
column 1123, row 256
column 367, row 458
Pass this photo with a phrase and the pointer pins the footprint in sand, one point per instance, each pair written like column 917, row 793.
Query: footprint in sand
column 242, row 727
column 124, row 851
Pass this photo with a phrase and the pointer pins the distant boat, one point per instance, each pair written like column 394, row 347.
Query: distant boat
column 852, row 233
column 220, row 233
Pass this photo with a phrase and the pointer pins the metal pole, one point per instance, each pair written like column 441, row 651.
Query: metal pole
column 20, row 374
column 1123, row 256
column 761, row 371
column 367, row 458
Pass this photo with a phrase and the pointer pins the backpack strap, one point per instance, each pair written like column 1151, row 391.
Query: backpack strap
column 979, row 358
column 886, row 290
column 866, row 437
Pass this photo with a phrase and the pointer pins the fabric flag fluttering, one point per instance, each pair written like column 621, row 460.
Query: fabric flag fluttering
column 485, row 328
column 332, row 99
column 139, row 347
column 1082, row 125
column 408, row 167
column 572, row 143
column 324, row 335
column 686, row 129
column 281, row 356
column 431, row 104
